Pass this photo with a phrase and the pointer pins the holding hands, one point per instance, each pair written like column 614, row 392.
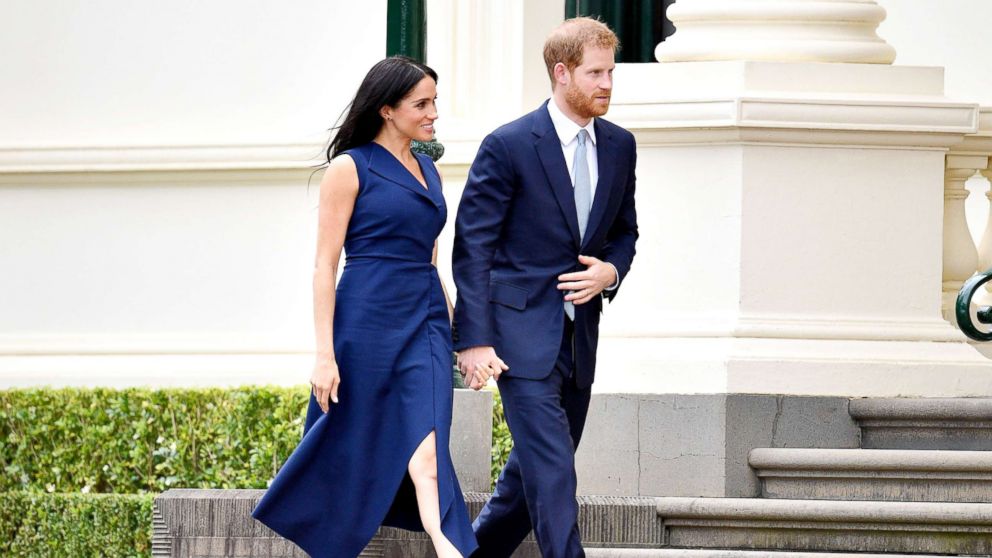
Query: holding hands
column 478, row 364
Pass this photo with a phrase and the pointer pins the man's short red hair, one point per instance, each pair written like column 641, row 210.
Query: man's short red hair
column 566, row 43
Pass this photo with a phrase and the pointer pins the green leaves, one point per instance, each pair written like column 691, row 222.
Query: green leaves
column 502, row 441
column 79, row 467
column 44, row 525
column 142, row 440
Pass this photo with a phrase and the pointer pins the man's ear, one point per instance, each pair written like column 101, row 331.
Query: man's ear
column 561, row 74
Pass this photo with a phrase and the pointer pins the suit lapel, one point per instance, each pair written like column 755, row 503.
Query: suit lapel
column 549, row 151
column 383, row 163
column 604, row 186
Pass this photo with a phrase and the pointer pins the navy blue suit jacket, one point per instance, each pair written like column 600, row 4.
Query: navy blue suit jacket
column 517, row 231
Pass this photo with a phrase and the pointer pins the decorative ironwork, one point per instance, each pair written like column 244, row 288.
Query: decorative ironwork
column 962, row 308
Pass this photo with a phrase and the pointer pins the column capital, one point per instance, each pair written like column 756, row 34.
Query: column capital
column 776, row 30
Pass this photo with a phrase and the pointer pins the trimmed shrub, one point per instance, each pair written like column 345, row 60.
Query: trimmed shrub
column 34, row 525
column 502, row 441
column 142, row 440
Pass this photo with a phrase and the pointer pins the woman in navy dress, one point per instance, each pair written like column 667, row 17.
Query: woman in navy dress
column 375, row 444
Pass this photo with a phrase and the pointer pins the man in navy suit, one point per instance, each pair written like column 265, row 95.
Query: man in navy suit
column 545, row 230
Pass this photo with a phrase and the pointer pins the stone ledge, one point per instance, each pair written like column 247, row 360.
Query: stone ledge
column 218, row 523
column 884, row 475
column 720, row 553
column 924, row 423
column 961, row 408
column 871, row 460
column 829, row 526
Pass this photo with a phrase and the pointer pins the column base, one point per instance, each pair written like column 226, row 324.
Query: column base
column 826, row 367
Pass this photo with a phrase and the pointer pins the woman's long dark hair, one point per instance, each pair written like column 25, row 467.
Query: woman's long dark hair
column 386, row 84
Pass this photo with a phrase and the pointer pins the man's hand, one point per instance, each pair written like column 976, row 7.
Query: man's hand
column 478, row 364
column 586, row 284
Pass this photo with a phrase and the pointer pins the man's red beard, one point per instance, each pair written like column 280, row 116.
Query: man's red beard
column 586, row 106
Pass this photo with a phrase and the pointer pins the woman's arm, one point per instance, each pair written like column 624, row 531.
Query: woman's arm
column 338, row 191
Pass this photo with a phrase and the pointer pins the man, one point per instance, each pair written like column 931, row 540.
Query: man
column 545, row 229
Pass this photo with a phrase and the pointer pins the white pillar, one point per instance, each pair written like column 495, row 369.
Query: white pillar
column 795, row 30
column 792, row 211
column 960, row 257
column 985, row 246
column 959, row 253
column 491, row 69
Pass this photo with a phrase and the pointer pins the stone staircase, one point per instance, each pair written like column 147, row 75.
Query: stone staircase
column 920, row 484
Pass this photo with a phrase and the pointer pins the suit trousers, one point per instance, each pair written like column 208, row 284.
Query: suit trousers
column 536, row 488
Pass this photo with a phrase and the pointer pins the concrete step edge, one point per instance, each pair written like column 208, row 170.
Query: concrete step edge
column 749, row 509
column 871, row 460
column 717, row 553
column 962, row 408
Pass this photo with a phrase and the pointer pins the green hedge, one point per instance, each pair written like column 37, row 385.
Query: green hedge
column 63, row 450
column 502, row 442
column 36, row 525
column 142, row 440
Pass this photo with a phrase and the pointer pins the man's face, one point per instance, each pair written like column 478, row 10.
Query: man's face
column 591, row 83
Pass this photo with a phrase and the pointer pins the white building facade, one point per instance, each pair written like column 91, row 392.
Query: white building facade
column 801, row 187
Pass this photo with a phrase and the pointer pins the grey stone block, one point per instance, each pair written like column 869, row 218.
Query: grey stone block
column 608, row 521
column 609, row 464
column 921, row 423
column 697, row 445
column 472, row 438
column 827, row 526
column 781, row 422
column 218, row 523
column 882, row 475
column 682, row 445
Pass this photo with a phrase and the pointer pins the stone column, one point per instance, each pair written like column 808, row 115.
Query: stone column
column 490, row 66
column 790, row 194
column 796, row 209
column 985, row 246
column 960, row 259
column 776, row 30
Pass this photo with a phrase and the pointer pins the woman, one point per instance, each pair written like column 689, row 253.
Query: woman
column 375, row 445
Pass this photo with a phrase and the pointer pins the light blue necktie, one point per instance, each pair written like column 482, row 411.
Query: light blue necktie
column 583, row 196
column 583, row 187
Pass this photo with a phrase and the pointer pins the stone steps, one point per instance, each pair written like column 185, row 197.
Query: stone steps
column 882, row 475
column 826, row 525
column 924, row 424
column 719, row 553
column 217, row 523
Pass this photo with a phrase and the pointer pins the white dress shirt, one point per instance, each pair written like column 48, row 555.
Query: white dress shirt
column 568, row 135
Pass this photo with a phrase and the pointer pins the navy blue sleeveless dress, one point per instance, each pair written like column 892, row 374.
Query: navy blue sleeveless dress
column 392, row 341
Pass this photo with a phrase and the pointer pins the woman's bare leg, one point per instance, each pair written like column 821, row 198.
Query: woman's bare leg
column 423, row 472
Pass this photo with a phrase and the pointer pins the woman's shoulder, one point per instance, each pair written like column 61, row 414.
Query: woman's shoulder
column 359, row 154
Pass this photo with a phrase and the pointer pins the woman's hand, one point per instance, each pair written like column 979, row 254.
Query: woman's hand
column 325, row 381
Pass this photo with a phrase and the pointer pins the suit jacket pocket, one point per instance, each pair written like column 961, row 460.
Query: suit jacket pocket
column 507, row 295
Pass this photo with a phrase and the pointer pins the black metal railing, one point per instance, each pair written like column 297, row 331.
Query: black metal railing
column 962, row 308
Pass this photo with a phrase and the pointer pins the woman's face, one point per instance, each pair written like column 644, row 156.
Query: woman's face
column 415, row 114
